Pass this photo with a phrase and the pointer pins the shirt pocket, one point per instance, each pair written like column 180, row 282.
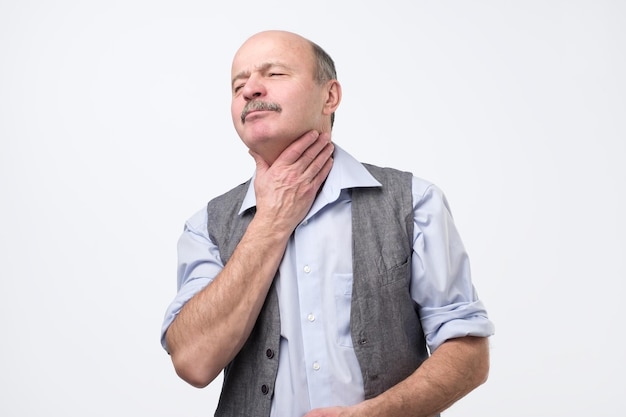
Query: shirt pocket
column 343, row 300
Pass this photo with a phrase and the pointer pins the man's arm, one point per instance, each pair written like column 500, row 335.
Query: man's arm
column 213, row 326
column 456, row 368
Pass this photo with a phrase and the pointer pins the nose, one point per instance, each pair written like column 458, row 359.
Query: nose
column 254, row 88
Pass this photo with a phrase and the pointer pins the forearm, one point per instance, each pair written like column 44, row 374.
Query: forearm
column 457, row 367
column 213, row 326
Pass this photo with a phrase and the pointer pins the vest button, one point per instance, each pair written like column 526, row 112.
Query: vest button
column 264, row 389
column 269, row 353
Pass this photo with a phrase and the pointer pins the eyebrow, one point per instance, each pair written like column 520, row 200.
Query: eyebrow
column 263, row 67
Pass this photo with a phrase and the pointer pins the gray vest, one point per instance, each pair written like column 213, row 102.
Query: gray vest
column 386, row 332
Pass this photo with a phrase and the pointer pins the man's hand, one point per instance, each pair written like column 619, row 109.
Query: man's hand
column 285, row 190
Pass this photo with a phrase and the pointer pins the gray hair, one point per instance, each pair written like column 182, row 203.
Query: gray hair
column 324, row 69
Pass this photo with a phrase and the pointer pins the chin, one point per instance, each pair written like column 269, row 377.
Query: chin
column 268, row 148
column 251, row 133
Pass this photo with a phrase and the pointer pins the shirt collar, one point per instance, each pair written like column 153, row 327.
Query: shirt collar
column 346, row 173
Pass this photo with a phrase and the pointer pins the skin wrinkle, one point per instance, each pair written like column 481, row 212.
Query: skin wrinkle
column 260, row 68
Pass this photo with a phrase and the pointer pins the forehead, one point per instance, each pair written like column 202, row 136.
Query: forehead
column 276, row 48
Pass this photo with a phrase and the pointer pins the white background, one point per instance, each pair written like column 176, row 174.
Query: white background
column 115, row 127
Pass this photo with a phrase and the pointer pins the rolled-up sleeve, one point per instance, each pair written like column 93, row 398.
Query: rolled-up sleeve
column 199, row 263
column 441, row 281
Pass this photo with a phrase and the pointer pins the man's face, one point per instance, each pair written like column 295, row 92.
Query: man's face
column 275, row 98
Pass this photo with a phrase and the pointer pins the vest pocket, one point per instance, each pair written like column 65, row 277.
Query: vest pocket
column 343, row 297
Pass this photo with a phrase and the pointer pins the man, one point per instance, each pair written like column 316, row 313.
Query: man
column 322, row 286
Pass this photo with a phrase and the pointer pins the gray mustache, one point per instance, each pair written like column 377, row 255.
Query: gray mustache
column 258, row 105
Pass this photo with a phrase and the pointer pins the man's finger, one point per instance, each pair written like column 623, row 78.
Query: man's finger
column 298, row 147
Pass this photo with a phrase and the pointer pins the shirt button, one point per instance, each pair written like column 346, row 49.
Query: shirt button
column 310, row 317
column 304, row 223
column 316, row 366
column 307, row 269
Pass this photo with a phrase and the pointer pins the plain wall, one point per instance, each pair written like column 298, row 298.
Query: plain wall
column 115, row 128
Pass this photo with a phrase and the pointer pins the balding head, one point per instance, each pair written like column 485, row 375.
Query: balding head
column 283, row 85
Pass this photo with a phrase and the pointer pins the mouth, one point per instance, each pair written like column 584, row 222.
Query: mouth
column 258, row 106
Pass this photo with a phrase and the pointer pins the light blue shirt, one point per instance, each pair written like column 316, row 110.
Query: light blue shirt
column 317, row 364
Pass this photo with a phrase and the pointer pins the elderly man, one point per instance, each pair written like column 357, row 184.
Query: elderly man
column 322, row 286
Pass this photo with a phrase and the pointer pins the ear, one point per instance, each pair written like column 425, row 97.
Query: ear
column 333, row 97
